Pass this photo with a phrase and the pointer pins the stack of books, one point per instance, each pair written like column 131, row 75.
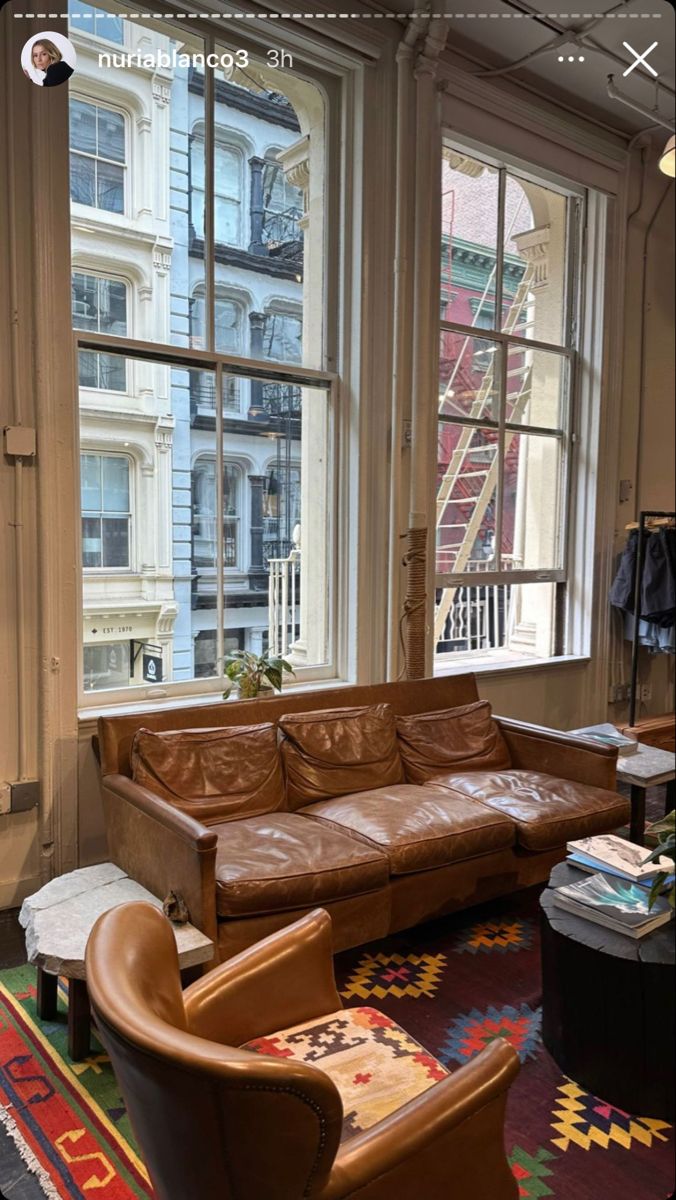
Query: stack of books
column 617, row 893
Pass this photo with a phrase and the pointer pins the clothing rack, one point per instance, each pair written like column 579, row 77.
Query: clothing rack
column 646, row 520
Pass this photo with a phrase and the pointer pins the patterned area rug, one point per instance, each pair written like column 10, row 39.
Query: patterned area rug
column 454, row 985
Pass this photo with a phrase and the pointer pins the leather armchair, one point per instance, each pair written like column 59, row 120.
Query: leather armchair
column 215, row 1120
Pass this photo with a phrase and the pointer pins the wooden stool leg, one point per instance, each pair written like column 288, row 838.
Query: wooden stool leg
column 637, row 825
column 46, row 997
column 78, row 1019
column 670, row 798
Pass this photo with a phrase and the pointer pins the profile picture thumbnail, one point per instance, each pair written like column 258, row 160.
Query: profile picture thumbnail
column 48, row 59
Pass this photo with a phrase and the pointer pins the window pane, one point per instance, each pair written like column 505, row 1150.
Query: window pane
column 227, row 221
column 109, row 187
column 466, row 497
column 82, row 179
column 534, row 279
column 92, row 20
column 469, row 376
column 283, row 337
column 536, row 387
column 112, row 375
column 83, row 126
column 91, row 541
column 88, row 373
column 115, row 539
column 90, row 482
column 84, row 301
column 111, row 135
column 106, row 665
column 228, row 172
column 113, row 307
column 469, row 235
column 228, row 318
column 532, row 516
column 115, row 484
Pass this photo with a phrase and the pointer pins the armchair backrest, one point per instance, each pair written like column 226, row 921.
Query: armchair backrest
column 210, row 1120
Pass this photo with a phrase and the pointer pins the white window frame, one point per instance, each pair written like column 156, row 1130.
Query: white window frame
column 109, row 452
column 101, row 104
column 572, row 352
column 88, row 27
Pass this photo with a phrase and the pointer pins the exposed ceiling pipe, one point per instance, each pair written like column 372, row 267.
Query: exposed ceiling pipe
column 564, row 35
column 650, row 114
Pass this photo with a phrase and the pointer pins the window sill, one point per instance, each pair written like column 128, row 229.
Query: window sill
column 202, row 699
column 488, row 667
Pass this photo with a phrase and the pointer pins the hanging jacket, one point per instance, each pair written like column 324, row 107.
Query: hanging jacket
column 658, row 583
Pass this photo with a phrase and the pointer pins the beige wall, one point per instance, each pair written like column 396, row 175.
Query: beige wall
column 646, row 406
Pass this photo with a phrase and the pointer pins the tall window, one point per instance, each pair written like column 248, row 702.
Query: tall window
column 100, row 305
column 510, row 268
column 205, row 523
column 208, row 361
column 106, row 512
column 228, row 167
column 97, row 159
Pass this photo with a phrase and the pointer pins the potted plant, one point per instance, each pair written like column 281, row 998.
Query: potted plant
column 255, row 673
column 666, row 840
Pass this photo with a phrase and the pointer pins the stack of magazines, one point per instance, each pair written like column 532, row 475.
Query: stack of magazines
column 617, row 893
column 607, row 735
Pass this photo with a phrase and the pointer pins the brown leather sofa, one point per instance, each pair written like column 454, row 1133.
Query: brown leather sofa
column 220, row 1109
column 344, row 825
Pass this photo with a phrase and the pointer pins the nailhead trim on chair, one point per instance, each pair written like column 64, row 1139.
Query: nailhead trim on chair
column 256, row 1087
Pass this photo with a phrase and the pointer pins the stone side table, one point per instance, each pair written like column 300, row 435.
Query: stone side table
column 58, row 920
column 648, row 767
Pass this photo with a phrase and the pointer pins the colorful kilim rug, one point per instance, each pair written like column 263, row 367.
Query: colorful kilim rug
column 453, row 985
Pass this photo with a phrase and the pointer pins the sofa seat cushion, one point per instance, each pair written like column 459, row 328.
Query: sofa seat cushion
column 335, row 751
column 376, row 1066
column 418, row 828
column 453, row 739
column 213, row 775
column 547, row 811
column 281, row 861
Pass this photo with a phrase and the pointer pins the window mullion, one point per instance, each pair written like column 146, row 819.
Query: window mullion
column 209, row 203
column 499, row 492
column 500, row 249
column 220, row 568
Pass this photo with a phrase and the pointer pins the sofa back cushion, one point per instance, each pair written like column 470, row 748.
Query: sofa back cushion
column 337, row 751
column 453, row 739
column 213, row 775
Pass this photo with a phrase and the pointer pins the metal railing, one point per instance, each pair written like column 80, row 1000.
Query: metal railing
column 480, row 616
column 283, row 602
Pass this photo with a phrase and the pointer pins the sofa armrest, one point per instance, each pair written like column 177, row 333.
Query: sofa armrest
column 452, row 1136
column 536, row 748
column 162, row 848
column 282, row 981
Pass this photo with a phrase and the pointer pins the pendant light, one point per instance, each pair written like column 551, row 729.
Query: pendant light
column 667, row 163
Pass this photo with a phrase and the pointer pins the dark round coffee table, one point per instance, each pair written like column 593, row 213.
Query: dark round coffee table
column 608, row 1006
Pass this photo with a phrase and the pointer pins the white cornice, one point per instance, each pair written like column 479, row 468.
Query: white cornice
column 540, row 118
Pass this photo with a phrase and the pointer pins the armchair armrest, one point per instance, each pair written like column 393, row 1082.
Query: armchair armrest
column 452, row 1136
column 536, row 748
column 161, row 848
column 282, row 981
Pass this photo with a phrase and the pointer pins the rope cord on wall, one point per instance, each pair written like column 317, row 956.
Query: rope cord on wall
column 412, row 623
